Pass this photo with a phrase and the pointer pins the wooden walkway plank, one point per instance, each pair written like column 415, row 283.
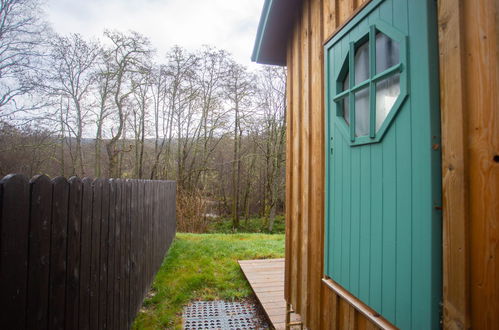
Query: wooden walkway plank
column 266, row 277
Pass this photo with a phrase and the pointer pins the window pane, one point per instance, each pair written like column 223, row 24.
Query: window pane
column 346, row 82
column 362, row 112
column 346, row 110
column 361, row 64
column 387, row 52
column 387, row 92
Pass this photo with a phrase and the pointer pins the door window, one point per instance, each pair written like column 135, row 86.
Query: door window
column 369, row 102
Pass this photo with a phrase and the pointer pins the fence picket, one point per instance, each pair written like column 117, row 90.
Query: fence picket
column 14, row 227
column 117, row 283
column 104, row 246
column 85, row 256
column 39, row 252
column 95, row 254
column 111, row 255
column 73, row 253
column 58, row 252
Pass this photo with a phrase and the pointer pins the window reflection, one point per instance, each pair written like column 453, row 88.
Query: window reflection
column 362, row 112
column 387, row 92
column 346, row 110
column 387, row 52
column 361, row 63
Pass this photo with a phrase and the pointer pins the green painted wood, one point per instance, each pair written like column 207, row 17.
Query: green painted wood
column 389, row 225
column 404, row 205
column 355, row 222
column 376, row 283
column 383, row 233
column 346, row 191
column 365, row 223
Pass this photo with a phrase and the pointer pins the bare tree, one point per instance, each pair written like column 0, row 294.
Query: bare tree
column 70, row 76
column 162, row 117
column 182, row 95
column 141, row 84
column 272, row 106
column 239, row 89
column 127, row 55
column 212, row 73
column 103, row 91
column 21, row 34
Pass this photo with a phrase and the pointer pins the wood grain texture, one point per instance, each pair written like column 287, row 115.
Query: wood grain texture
column 305, row 198
column 295, row 216
column 39, row 252
column 73, row 253
column 482, row 107
column 14, row 226
column 454, row 182
column 58, row 252
column 266, row 277
column 468, row 38
column 317, row 153
column 305, row 156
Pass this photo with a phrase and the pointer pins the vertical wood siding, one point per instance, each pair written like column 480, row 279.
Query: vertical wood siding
column 316, row 303
column 469, row 79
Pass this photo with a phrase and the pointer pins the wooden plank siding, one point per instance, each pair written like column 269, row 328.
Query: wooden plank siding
column 469, row 81
column 318, row 305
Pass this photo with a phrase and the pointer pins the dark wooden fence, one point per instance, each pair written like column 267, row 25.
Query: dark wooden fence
column 80, row 254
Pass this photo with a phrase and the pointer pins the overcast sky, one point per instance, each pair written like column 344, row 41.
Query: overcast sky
column 225, row 24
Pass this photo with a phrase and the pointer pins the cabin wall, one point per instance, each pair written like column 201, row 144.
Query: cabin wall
column 318, row 305
column 468, row 37
column 469, row 85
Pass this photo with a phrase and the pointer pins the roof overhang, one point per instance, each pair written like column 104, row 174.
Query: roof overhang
column 273, row 31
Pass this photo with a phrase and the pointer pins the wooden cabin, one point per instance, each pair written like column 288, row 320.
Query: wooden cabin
column 392, row 175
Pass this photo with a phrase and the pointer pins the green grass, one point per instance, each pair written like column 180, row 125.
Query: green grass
column 203, row 267
column 253, row 225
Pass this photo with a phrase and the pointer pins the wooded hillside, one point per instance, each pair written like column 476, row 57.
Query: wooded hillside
column 114, row 108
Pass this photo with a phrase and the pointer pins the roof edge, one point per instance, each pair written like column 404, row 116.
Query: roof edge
column 264, row 16
column 273, row 31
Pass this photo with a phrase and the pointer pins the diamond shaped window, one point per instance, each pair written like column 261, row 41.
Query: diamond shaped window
column 370, row 87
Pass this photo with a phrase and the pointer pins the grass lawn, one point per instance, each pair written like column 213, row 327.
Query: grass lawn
column 203, row 267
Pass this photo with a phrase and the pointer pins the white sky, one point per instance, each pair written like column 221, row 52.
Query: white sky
column 225, row 24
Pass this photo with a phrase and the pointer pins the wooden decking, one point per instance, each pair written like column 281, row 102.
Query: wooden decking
column 266, row 277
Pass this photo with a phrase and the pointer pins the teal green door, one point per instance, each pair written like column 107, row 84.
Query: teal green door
column 383, row 218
